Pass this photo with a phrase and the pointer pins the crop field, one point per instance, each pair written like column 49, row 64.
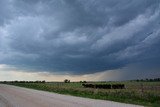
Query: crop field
column 141, row 93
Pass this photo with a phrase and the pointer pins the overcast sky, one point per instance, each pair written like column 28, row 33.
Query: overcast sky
column 76, row 38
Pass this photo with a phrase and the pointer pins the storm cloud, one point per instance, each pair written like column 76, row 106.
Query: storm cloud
column 79, row 36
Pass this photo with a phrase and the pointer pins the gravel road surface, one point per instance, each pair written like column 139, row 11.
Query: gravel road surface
column 12, row 96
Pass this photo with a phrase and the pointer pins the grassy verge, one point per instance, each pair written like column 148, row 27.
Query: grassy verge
column 134, row 96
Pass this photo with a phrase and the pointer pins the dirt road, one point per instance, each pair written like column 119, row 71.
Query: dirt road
column 12, row 96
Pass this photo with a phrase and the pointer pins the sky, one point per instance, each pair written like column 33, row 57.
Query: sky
column 93, row 40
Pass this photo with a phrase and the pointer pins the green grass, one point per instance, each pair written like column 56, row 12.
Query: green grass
column 150, row 96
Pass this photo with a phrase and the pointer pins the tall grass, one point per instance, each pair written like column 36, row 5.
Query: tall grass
column 132, row 94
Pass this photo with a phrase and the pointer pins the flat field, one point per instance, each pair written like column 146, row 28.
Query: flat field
column 141, row 93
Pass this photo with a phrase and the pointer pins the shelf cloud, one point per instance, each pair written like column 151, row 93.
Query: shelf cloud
column 79, row 37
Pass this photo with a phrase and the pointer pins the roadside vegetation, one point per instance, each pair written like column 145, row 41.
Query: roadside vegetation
column 139, row 92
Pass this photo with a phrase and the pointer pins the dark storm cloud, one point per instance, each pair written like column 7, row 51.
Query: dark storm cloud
column 79, row 36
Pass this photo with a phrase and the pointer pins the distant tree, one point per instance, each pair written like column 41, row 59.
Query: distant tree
column 66, row 81
column 15, row 81
column 147, row 79
column 151, row 80
column 43, row 81
column 83, row 81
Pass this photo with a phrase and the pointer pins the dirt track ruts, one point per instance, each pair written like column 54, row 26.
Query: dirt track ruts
column 12, row 96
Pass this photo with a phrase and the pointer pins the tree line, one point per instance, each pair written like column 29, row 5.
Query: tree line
column 148, row 80
column 23, row 81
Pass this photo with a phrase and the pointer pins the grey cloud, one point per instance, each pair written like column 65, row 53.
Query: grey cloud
column 79, row 36
column 6, row 10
